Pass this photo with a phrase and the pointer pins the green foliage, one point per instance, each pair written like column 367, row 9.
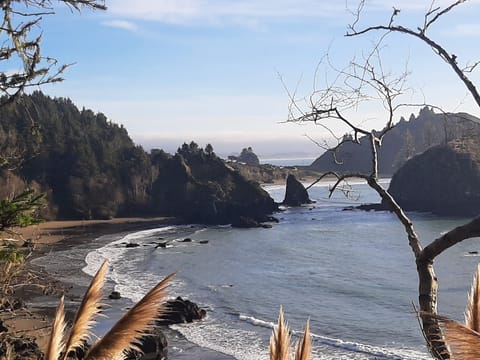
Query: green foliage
column 10, row 253
column 21, row 210
column 88, row 165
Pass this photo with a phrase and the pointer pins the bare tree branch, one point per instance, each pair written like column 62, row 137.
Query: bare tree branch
column 20, row 43
column 420, row 33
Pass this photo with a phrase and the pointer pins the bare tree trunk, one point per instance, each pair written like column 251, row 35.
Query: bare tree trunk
column 427, row 299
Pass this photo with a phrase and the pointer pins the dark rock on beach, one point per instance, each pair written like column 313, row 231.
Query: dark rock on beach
column 181, row 311
column 369, row 207
column 114, row 295
column 245, row 222
column 295, row 193
column 23, row 347
column 132, row 245
column 154, row 347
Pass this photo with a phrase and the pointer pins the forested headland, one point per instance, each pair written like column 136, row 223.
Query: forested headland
column 89, row 168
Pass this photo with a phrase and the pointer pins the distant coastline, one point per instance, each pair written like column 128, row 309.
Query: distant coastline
column 297, row 161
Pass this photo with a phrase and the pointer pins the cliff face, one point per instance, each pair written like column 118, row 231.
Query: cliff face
column 90, row 168
column 403, row 142
column 443, row 180
column 201, row 188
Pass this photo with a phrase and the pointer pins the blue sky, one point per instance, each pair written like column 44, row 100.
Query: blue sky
column 208, row 70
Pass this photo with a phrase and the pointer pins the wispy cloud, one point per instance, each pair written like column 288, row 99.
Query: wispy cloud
column 220, row 11
column 121, row 24
column 249, row 12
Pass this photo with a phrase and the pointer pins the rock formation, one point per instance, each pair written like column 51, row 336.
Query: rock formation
column 443, row 180
column 154, row 347
column 295, row 193
column 404, row 141
column 200, row 188
column 248, row 157
column 179, row 311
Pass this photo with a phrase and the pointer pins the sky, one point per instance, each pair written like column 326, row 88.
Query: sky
column 223, row 71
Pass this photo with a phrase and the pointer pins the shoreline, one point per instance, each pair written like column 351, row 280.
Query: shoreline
column 54, row 238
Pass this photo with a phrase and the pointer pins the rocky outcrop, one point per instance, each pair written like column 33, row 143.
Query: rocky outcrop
column 154, row 347
column 443, row 180
column 248, row 157
column 406, row 140
column 181, row 311
column 269, row 174
column 295, row 193
column 200, row 188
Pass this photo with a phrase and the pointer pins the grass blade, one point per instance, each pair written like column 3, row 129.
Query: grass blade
column 132, row 326
column 304, row 346
column 88, row 310
column 280, row 340
column 56, row 343
column 472, row 312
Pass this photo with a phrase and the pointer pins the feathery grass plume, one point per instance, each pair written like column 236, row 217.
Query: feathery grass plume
column 56, row 343
column 472, row 312
column 304, row 346
column 280, row 340
column 88, row 310
column 462, row 342
column 128, row 331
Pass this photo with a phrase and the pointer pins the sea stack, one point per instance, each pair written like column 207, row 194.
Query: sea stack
column 295, row 193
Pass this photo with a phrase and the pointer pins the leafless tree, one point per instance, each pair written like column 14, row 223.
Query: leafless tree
column 365, row 81
column 20, row 45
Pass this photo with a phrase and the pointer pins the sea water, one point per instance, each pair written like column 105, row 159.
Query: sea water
column 350, row 272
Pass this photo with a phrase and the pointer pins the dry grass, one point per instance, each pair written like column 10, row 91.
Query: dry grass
column 280, row 348
column 123, row 336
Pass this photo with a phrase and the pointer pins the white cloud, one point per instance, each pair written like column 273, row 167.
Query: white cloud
column 121, row 24
column 215, row 11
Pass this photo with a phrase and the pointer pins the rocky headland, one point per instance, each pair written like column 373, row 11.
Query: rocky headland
column 444, row 180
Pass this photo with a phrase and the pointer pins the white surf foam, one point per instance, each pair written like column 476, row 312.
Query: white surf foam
column 129, row 282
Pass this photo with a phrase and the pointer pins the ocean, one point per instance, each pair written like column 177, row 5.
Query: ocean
column 300, row 161
column 351, row 273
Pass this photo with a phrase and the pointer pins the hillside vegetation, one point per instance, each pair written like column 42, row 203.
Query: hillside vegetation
column 90, row 168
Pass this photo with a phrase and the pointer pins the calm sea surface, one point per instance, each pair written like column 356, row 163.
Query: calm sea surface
column 351, row 273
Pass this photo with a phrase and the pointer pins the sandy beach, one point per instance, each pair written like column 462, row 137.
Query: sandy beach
column 47, row 283
column 43, row 290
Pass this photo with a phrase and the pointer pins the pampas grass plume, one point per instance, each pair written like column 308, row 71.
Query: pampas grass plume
column 280, row 342
column 472, row 312
column 56, row 343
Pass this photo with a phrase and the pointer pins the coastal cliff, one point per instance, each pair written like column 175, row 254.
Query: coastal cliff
column 200, row 188
column 89, row 168
column 406, row 140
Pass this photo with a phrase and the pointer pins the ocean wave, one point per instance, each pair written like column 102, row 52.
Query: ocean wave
column 241, row 344
column 257, row 322
column 357, row 350
column 248, row 345
column 123, row 272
